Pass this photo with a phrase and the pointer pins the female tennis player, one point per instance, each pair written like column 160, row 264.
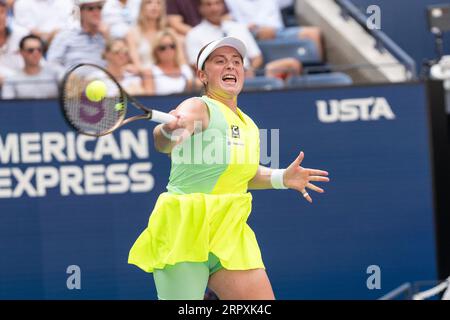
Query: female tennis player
column 198, row 236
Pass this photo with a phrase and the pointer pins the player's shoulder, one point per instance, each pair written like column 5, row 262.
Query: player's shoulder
column 193, row 104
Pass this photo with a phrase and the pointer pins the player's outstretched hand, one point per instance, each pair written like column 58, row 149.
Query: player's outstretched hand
column 298, row 178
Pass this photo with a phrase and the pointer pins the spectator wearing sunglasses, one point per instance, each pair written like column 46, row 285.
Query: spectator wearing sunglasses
column 83, row 44
column 151, row 19
column 37, row 79
column 169, row 74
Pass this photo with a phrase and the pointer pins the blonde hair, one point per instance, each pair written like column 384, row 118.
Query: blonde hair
column 157, row 40
column 110, row 43
column 162, row 20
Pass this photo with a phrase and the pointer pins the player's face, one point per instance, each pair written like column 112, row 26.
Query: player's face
column 224, row 71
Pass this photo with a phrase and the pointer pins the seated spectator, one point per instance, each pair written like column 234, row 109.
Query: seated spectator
column 84, row 43
column 168, row 73
column 263, row 18
column 119, row 16
column 183, row 15
column 35, row 80
column 10, row 36
column 117, row 58
column 44, row 18
column 152, row 19
column 213, row 27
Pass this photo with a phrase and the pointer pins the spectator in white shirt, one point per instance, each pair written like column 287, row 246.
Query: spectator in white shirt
column 44, row 18
column 36, row 80
column 84, row 44
column 120, row 15
column 214, row 27
column 263, row 18
column 169, row 74
column 10, row 35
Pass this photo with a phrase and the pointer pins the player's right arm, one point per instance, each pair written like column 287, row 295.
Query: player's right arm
column 191, row 115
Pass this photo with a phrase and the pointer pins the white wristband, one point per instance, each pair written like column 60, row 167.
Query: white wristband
column 276, row 179
column 167, row 135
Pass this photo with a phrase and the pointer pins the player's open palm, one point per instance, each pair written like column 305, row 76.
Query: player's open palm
column 298, row 178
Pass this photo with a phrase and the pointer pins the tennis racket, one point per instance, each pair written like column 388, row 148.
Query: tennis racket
column 107, row 113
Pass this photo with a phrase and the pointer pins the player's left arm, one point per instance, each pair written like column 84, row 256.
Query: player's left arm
column 294, row 177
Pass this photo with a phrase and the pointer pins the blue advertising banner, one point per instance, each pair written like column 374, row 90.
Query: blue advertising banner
column 71, row 206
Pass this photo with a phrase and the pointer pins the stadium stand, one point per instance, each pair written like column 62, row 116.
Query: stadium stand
column 319, row 80
column 263, row 83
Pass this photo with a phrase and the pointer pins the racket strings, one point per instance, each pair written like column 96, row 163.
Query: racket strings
column 92, row 117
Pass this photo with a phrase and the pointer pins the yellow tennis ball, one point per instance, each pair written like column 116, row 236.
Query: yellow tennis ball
column 119, row 106
column 96, row 90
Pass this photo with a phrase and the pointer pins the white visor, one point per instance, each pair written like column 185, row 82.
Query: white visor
column 224, row 42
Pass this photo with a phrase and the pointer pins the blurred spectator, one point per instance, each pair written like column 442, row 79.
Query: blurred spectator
column 120, row 15
column 168, row 73
column 10, row 7
column 152, row 18
column 117, row 58
column 35, row 80
column 263, row 18
column 288, row 15
column 44, row 18
column 214, row 27
column 84, row 43
column 10, row 35
column 184, row 14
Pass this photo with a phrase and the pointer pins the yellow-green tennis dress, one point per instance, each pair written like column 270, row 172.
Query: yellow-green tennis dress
column 207, row 204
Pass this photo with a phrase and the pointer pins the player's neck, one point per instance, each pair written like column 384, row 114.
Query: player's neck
column 229, row 101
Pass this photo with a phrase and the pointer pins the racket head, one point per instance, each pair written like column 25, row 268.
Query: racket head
column 93, row 118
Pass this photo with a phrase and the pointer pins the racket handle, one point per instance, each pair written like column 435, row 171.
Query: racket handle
column 161, row 117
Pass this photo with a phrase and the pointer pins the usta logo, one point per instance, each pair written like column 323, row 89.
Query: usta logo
column 364, row 109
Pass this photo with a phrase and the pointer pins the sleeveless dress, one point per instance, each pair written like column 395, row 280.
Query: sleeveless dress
column 207, row 204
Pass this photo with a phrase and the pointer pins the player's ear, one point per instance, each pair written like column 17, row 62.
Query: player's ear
column 202, row 76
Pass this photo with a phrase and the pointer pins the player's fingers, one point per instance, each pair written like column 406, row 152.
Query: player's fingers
column 315, row 188
column 318, row 178
column 306, row 195
column 299, row 159
column 315, row 172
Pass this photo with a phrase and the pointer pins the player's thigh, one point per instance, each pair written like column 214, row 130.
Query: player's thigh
column 241, row 285
column 182, row 281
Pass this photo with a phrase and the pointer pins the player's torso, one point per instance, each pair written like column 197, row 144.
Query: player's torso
column 221, row 159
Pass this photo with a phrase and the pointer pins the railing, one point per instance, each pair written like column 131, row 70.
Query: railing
column 383, row 42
